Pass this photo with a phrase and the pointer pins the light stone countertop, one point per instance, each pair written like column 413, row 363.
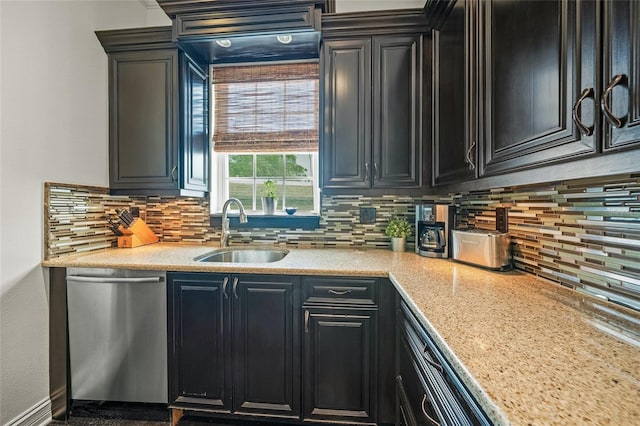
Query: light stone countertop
column 531, row 351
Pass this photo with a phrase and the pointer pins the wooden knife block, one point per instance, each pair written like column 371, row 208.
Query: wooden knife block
column 138, row 234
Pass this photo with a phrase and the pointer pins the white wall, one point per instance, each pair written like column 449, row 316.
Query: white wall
column 364, row 5
column 53, row 127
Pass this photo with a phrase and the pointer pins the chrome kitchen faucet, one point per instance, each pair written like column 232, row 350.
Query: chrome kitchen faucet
column 225, row 233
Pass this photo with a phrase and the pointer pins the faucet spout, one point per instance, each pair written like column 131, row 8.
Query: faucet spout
column 225, row 233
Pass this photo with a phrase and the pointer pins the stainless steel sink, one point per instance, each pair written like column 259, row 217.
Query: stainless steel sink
column 243, row 255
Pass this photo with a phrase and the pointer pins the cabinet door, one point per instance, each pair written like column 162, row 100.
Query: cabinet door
column 194, row 105
column 454, row 95
column 533, row 71
column 340, row 365
column 199, row 334
column 397, row 124
column 266, row 347
column 346, row 114
column 621, row 74
column 143, row 120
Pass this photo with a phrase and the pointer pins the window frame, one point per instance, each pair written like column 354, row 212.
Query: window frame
column 220, row 178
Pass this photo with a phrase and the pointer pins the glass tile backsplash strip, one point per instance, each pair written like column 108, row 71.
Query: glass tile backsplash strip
column 584, row 234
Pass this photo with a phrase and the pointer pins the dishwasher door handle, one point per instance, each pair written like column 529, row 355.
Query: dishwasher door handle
column 107, row 280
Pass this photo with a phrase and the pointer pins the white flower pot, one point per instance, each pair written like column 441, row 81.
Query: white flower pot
column 398, row 244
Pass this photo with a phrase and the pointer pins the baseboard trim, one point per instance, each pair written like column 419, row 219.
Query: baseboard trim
column 38, row 415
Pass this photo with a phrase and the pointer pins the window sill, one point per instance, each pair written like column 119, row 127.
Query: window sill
column 278, row 220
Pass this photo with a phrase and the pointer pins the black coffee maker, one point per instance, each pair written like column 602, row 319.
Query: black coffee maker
column 434, row 223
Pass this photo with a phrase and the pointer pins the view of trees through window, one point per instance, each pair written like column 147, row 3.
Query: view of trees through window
column 292, row 174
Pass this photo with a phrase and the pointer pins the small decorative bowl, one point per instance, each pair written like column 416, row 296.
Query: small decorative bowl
column 291, row 210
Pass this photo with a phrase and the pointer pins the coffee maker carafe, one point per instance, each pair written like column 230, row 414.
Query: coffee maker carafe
column 433, row 225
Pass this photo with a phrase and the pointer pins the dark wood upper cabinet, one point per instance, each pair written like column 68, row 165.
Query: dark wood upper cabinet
column 397, row 111
column 346, row 113
column 158, row 115
column 372, row 94
column 533, row 66
column 454, row 97
column 620, row 102
column 194, row 105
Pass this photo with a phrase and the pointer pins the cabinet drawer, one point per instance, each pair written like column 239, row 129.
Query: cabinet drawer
column 446, row 395
column 337, row 290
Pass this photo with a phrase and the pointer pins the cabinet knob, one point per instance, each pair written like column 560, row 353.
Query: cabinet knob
column 306, row 322
column 604, row 103
column 375, row 171
column 174, row 175
column 366, row 171
column 586, row 93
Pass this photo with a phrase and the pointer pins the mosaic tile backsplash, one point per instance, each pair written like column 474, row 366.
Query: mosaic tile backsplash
column 583, row 234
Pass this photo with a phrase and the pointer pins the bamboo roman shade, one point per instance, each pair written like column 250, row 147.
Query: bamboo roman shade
column 266, row 108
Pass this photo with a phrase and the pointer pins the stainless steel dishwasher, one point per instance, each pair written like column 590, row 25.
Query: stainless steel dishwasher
column 117, row 334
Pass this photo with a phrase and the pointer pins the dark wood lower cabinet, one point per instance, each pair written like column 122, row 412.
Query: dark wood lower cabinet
column 266, row 353
column 234, row 343
column 340, row 365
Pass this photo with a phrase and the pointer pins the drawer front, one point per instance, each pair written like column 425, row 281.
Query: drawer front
column 338, row 290
column 415, row 400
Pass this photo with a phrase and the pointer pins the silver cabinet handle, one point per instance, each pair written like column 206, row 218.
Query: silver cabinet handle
column 424, row 399
column 224, row 287
column 339, row 293
column 586, row 93
column 375, row 171
column 604, row 103
column 174, row 175
column 366, row 171
column 235, row 287
column 108, row 280
column 432, row 363
column 306, row 322
column 472, row 165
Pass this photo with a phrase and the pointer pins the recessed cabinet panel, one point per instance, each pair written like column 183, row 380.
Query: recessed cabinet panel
column 346, row 148
column 340, row 357
column 454, row 97
column 621, row 74
column 267, row 359
column 143, row 111
column 195, row 126
column 532, row 74
column 397, row 111
column 198, row 318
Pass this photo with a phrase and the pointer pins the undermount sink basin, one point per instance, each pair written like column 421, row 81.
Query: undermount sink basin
column 243, row 255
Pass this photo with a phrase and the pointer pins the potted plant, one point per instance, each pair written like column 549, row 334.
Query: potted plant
column 398, row 229
column 269, row 200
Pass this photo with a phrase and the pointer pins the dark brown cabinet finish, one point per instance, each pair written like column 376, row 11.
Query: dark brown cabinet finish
column 199, row 344
column 533, row 66
column 346, row 113
column 371, row 111
column 397, row 112
column 454, row 97
column 158, row 115
column 340, row 365
column 265, row 347
column 234, row 343
column 143, row 120
column 620, row 102
column 194, row 104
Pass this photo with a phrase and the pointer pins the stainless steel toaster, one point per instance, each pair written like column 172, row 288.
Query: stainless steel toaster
column 489, row 249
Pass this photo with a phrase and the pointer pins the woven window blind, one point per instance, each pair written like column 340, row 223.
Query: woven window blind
column 266, row 108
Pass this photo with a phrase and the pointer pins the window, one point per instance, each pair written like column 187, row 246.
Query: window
column 295, row 176
column 265, row 127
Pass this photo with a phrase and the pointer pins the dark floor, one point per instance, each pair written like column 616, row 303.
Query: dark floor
column 129, row 414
